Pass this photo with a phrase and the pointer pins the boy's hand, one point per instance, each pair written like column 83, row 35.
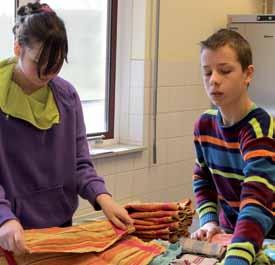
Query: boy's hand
column 114, row 212
column 207, row 231
column 12, row 237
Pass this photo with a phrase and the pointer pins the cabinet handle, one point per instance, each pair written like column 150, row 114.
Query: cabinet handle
column 233, row 28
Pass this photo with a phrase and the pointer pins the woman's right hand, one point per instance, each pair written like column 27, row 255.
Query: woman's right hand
column 12, row 237
column 207, row 231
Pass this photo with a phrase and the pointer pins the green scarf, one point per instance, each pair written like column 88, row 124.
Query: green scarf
column 39, row 108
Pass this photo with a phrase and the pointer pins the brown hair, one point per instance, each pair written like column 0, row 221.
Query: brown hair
column 234, row 40
column 37, row 22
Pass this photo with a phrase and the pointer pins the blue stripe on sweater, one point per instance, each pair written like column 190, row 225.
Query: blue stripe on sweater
column 232, row 260
column 258, row 215
column 260, row 167
column 209, row 217
column 224, row 158
column 199, row 183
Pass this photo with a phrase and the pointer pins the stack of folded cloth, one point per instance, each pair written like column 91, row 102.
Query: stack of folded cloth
column 167, row 221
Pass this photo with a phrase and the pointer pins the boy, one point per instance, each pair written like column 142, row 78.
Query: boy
column 235, row 166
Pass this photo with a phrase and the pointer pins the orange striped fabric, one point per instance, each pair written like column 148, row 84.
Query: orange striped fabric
column 157, row 206
column 142, row 222
column 164, row 220
column 94, row 236
column 160, row 220
column 128, row 251
column 141, row 215
column 149, row 207
column 172, row 226
column 87, row 237
column 90, row 243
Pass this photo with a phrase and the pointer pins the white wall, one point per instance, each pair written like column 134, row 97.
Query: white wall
column 181, row 98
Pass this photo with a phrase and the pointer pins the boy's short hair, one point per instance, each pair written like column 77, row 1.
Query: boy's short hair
column 234, row 40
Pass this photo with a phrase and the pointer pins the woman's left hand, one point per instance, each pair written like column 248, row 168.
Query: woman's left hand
column 114, row 212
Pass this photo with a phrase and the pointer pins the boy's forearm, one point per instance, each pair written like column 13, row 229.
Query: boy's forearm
column 240, row 254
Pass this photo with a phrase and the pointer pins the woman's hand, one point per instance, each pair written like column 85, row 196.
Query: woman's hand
column 12, row 237
column 114, row 212
column 207, row 231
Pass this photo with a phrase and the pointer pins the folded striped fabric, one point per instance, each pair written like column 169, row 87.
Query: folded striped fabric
column 157, row 206
column 150, row 207
column 87, row 237
column 205, row 248
column 158, row 220
column 90, row 243
column 167, row 221
column 173, row 226
column 94, row 236
column 174, row 214
column 128, row 251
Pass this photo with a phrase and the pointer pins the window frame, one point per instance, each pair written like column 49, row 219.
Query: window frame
column 111, row 72
column 110, row 69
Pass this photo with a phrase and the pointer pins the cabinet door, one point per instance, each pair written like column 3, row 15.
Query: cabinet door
column 239, row 27
column 262, row 40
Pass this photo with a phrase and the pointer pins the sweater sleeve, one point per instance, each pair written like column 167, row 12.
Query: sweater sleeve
column 255, row 218
column 90, row 185
column 203, row 185
column 5, row 209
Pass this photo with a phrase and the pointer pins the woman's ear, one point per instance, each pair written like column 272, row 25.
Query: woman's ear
column 16, row 49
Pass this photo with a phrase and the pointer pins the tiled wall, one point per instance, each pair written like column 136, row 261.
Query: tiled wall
column 181, row 97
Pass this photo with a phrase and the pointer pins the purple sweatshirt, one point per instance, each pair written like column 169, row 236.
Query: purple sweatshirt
column 43, row 171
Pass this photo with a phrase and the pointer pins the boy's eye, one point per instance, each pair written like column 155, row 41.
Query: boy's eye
column 207, row 73
column 225, row 72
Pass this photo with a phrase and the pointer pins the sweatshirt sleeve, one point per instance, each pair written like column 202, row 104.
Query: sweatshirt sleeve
column 90, row 185
column 255, row 218
column 5, row 209
column 203, row 185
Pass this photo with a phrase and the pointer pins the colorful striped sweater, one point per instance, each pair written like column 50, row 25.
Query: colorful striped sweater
column 234, row 176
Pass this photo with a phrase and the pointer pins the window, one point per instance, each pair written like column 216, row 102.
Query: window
column 91, row 28
column 6, row 24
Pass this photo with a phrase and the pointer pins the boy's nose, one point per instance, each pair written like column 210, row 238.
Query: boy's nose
column 214, row 78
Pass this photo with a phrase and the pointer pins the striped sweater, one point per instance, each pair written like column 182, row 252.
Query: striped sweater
column 234, row 177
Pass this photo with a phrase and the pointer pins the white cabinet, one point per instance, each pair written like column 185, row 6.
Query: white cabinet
column 261, row 36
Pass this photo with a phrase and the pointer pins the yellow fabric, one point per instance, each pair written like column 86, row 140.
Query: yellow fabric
column 41, row 95
column 39, row 108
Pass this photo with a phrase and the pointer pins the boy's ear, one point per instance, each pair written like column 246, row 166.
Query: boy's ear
column 249, row 74
column 16, row 49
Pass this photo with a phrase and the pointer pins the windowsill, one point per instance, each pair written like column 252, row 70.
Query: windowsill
column 115, row 150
